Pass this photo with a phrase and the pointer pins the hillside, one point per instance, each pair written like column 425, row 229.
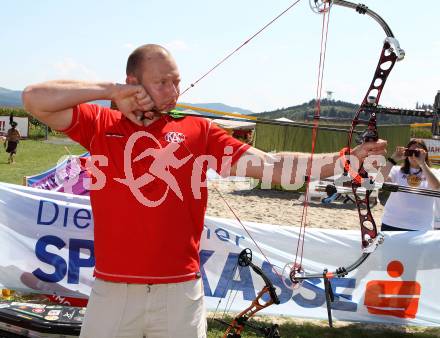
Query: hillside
column 10, row 98
column 221, row 107
column 334, row 112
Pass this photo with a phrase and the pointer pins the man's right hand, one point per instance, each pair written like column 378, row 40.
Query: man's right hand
column 133, row 101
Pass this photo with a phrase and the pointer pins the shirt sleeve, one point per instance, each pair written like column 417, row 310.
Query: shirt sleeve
column 226, row 149
column 436, row 172
column 83, row 125
column 393, row 173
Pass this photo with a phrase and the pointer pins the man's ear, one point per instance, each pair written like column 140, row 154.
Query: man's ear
column 131, row 79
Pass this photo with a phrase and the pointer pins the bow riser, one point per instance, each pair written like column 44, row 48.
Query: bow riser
column 386, row 63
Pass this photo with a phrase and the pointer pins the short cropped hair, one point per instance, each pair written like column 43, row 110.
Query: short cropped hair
column 141, row 54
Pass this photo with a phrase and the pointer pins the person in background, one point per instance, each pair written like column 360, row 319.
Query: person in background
column 437, row 207
column 437, row 214
column 12, row 138
column 407, row 211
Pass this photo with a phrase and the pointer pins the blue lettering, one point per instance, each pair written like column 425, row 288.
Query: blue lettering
column 208, row 231
column 339, row 304
column 204, row 256
column 56, row 261
column 319, row 299
column 50, row 213
column 72, row 269
column 228, row 282
column 66, row 213
column 76, row 262
column 310, row 302
column 77, row 216
column 47, row 212
column 222, row 234
column 237, row 239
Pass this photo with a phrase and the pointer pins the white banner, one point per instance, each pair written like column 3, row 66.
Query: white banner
column 433, row 148
column 22, row 125
column 46, row 246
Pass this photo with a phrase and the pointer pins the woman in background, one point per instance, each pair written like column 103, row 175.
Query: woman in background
column 408, row 211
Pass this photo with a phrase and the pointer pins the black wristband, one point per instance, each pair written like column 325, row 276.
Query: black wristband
column 391, row 160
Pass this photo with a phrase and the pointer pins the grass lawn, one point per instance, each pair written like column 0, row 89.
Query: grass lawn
column 37, row 156
column 34, row 157
column 291, row 328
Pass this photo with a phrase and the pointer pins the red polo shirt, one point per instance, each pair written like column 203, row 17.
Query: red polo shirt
column 149, row 213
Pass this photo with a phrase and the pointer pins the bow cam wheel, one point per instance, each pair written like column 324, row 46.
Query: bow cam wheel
column 245, row 257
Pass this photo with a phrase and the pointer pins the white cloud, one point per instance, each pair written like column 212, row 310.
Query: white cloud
column 69, row 68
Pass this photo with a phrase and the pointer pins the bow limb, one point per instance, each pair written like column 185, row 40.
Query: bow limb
column 241, row 320
column 297, row 277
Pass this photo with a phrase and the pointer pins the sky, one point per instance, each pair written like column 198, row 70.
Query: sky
column 91, row 40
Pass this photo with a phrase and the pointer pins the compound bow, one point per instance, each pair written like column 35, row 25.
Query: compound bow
column 370, row 238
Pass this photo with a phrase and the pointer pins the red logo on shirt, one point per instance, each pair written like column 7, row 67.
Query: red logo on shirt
column 393, row 298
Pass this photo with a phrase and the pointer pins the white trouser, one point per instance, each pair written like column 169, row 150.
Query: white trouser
column 140, row 310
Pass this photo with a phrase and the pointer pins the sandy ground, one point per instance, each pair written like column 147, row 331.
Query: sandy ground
column 281, row 207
